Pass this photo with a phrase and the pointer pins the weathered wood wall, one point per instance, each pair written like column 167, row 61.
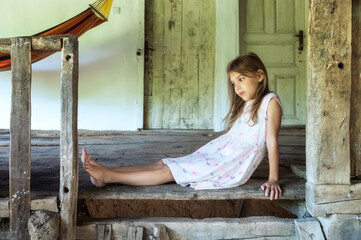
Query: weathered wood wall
column 179, row 75
column 355, row 121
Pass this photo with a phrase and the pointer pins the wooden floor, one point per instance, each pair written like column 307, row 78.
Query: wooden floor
column 117, row 149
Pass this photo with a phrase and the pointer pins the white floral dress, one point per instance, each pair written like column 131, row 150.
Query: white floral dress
column 229, row 160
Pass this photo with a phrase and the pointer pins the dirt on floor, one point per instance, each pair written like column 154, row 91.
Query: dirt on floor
column 198, row 209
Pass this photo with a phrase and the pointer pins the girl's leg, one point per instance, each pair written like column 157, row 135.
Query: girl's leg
column 154, row 166
column 101, row 175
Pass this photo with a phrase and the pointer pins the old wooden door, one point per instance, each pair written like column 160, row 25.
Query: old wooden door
column 268, row 28
column 179, row 72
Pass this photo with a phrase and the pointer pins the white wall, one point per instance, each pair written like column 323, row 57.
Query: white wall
column 227, row 48
column 110, row 77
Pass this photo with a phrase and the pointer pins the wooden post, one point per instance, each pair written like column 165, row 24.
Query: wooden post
column 68, row 191
column 20, row 144
column 355, row 121
column 329, row 91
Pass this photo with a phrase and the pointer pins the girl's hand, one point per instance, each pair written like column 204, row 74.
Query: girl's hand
column 273, row 187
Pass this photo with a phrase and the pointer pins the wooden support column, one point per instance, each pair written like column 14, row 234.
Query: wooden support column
column 329, row 91
column 355, row 124
column 68, row 191
column 20, row 144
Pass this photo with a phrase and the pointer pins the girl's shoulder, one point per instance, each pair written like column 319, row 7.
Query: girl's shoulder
column 267, row 98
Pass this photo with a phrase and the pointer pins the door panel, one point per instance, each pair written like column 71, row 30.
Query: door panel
column 268, row 28
column 179, row 71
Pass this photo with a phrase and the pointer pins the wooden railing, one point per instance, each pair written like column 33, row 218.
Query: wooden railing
column 20, row 49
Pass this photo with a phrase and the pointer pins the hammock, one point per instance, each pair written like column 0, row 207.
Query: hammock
column 96, row 14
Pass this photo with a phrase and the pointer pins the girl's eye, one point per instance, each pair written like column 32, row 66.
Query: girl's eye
column 241, row 79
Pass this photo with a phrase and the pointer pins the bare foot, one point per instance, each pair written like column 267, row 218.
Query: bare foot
column 96, row 172
column 85, row 155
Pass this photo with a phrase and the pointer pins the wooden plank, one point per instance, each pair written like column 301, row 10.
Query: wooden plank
column 190, row 64
column 172, row 64
column 160, row 232
column 20, row 149
column 329, row 92
column 293, row 189
column 5, row 45
column 135, row 233
column 103, row 231
column 68, row 191
column 4, row 208
column 195, row 229
column 154, row 103
column 308, row 229
column 206, row 62
column 47, row 43
column 335, row 193
column 333, row 199
column 355, row 118
column 48, row 203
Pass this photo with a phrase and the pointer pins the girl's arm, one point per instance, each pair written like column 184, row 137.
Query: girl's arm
column 274, row 115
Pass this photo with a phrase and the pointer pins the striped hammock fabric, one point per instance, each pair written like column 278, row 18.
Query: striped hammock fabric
column 96, row 14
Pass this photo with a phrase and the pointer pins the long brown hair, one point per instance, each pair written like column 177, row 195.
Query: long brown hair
column 247, row 65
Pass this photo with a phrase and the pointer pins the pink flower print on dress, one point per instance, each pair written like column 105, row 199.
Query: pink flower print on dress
column 198, row 152
column 223, row 170
column 228, row 175
column 194, row 173
column 240, row 172
column 240, row 134
column 216, row 164
column 255, row 151
column 255, row 136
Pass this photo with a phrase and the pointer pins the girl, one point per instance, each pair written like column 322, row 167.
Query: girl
column 254, row 121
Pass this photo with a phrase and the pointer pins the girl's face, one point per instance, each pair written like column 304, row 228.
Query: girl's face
column 245, row 86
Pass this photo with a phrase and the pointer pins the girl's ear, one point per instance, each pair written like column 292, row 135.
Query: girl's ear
column 260, row 75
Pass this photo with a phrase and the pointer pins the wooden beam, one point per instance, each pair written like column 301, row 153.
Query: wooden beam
column 160, row 232
column 104, row 231
column 355, row 121
column 195, row 229
column 329, row 92
column 5, row 45
column 20, row 148
column 135, row 233
column 333, row 199
column 47, row 43
column 68, row 192
column 49, row 203
column 293, row 189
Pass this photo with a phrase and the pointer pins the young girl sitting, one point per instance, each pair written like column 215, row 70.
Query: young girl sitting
column 254, row 120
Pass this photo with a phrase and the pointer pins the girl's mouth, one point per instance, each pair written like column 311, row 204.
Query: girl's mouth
column 241, row 93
